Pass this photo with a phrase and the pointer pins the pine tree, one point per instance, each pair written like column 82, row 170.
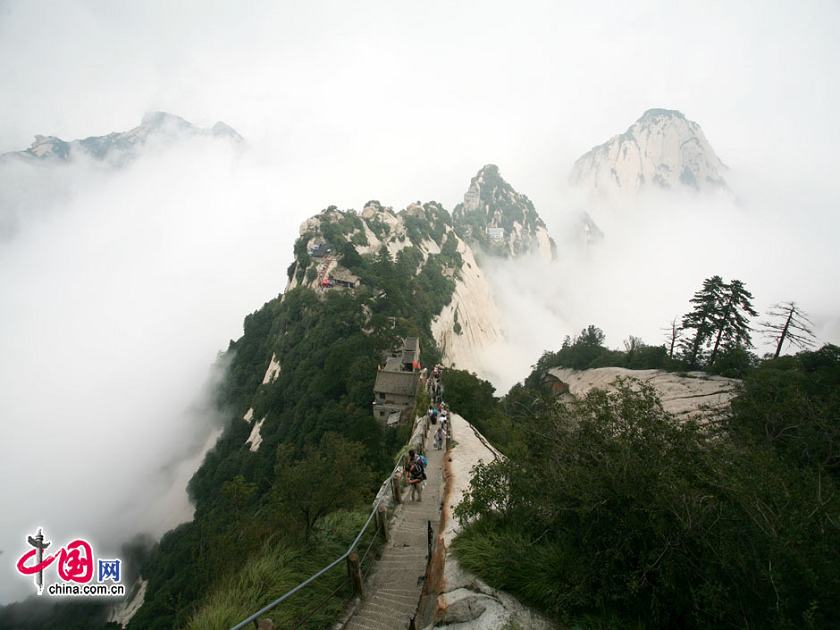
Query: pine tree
column 731, row 323
column 702, row 318
column 789, row 324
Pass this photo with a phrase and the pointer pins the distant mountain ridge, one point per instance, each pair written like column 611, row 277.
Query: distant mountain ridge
column 121, row 146
column 500, row 220
column 661, row 150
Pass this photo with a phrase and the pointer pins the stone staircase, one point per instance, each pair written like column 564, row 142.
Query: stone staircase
column 392, row 590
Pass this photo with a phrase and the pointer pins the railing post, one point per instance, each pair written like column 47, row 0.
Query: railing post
column 382, row 522
column 354, row 571
column 430, row 535
column 396, row 490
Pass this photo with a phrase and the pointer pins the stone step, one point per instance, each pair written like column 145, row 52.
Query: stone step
column 396, row 599
column 415, row 551
column 392, row 590
column 391, row 608
column 396, row 579
column 368, row 625
column 369, row 615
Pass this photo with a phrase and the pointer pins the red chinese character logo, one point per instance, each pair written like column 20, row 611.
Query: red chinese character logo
column 34, row 568
column 75, row 562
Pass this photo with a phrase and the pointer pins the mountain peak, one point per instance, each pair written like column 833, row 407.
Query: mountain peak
column 223, row 130
column 163, row 119
column 501, row 220
column 657, row 113
column 663, row 149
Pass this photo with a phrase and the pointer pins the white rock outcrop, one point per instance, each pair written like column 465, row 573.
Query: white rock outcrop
column 255, row 439
column 122, row 612
column 273, row 370
column 694, row 394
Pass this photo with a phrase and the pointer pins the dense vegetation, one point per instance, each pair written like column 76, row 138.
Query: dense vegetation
column 36, row 612
column 587, row 350
column 475, row 399
column 610, row 513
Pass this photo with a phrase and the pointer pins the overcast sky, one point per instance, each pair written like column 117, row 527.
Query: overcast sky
column 118, row 292
column 406, row 100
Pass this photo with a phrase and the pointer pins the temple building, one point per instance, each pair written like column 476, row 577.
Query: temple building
column 395, row 388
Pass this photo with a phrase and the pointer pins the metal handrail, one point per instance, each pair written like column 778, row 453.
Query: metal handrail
column 253, row 618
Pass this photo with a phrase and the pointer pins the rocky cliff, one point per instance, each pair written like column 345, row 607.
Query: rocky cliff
column 328, row 242
column 661, row 150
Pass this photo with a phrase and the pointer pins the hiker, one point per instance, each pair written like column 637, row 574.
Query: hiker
column 416, row 476
column 439, row 437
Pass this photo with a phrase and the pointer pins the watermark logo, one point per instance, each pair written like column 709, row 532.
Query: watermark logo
column 74, row 564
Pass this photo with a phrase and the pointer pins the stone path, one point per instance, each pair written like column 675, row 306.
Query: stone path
column 393, row 589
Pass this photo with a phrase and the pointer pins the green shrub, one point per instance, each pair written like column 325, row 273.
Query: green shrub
column 621, row 515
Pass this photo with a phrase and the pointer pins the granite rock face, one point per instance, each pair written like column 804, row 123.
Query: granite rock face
column 661, row 150
column 694, row 394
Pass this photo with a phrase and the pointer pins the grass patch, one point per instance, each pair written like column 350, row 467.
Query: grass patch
column 513, row 560
column 278, row 568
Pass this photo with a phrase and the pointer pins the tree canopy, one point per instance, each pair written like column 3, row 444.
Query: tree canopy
column 615, row 514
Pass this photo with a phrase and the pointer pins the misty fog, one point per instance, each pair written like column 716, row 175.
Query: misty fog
column 116, row 298
column 654, row 255
column 119, row 287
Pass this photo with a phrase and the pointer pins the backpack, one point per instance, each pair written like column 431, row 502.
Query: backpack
column 420, row 472
column 423, row 461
